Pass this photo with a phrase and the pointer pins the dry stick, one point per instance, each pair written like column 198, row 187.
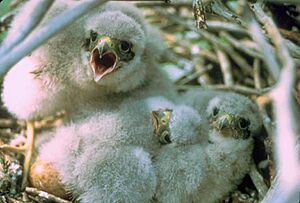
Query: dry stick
column 5, row 133
column 225, row 67
column 218, row 7
column 236, row 88
column 34, row 18
column 243, row 64
column 195, row 75
column 226, row 26
column 269, row 57
column 254, row 174
column 208, row 55
column 258, row 181
column 287, row 184
column 235, row 43
column 293, row 48
column 283, row 1
column 45, row 195
column 256, row 73
column 45, row 33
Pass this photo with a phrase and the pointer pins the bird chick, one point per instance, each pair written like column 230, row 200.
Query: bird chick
column 180, row 125
column 207, row 171
column 107, row 157
column 90, row 69
column 108, row 52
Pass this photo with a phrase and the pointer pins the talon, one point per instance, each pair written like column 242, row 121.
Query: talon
column 26, row 149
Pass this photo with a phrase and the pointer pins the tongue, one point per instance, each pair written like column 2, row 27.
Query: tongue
column 104, row 64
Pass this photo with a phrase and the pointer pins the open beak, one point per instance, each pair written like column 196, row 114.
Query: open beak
column 103, row 58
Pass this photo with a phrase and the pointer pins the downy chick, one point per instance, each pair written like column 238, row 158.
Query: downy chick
column 107, row 157
column 108, row 55
column 104, row 59
column 207, row 171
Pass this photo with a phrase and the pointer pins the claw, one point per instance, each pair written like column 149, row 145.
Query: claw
column 26, row 149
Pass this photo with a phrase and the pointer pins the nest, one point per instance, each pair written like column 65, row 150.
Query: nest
column 229, row 45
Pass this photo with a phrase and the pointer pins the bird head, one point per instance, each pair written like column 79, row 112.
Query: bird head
column 107, row 54
column 160, row 122
column 114, row 49
column 233, row 115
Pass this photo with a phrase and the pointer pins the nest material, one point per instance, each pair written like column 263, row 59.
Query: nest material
column 225, row 56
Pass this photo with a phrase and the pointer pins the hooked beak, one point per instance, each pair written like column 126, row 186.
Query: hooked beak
column 224, row 124
column 103, row 58
column 228, row 126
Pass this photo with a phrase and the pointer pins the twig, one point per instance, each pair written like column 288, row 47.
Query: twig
column 218, row 8
column 240, row 46
column 293, row 48
column 243, row 64
column 226, row 26
column 283, row 1
column 258, row 181
column 34, row 18
column 286, row 186
column 256, row 73
column 209, row 55
column 225, row 67
column 235, row 88
column 193, row 76
column 265, row 47
column 45, row 195
column 46, row 32
column 290, row 35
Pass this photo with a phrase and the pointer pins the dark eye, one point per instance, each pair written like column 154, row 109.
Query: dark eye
column 124, row 46
column 243, row 123
column 215, row 111
column 93, row 35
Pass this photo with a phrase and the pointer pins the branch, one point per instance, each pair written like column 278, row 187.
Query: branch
column 225, row 66
column 236, row 88
column 44, row 195
column 266, row 49
column 34, row 18
column 45, row 33
column 283, row 1
column 286, row 186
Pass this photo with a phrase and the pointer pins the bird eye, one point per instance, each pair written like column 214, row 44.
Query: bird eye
column 244, row 123
column 93, row 35
column 124, row 46
column 163, row 121
column 215, row 111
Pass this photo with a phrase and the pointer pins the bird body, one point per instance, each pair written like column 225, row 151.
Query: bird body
column 208, row 170
column 59, row 74
column 100, row 70
column 112, row 151
column 103, row 71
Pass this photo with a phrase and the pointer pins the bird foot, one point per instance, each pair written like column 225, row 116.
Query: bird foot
column 26, row 149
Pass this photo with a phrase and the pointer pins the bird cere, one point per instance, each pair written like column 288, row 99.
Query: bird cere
column 127, row 134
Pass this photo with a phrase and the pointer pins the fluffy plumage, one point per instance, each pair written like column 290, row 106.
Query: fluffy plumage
column 206, row 171
column 108, row 156
column 103, row 153
column 58, row 74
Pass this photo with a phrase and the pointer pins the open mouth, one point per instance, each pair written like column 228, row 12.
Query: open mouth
column 102, row 64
